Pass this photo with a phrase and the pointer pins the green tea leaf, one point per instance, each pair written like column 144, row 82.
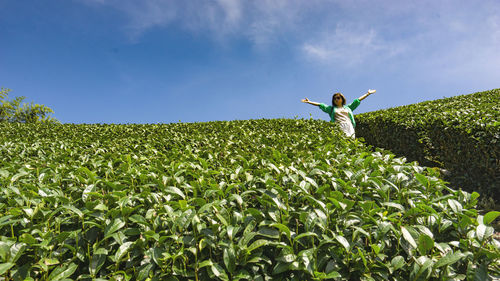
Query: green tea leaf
column 484, row 232
column 269, row 232
column 425, row 243
column 175, row 190
column 222, row 219
column 455, row 205
column 333, row 274
column 280, row 267
column 50, row 261
column 219, row 272
column 16, row 251
column 397, row 262
column 229, row 259
column 96, row 263
column 474, row 195
column 4, row 173
column 122, row 250
column 422, row 179
column 306, row 234
column 144, row 271
column 63, row 272
column 257, row 244
column 490, row 216
column 343, row 242
column 74, row 210
column 481, row 273
column 5, row 266
column 205, row 263
column 407, row 236
column 282, row 228
column 450, row 258
column 27, row 238
column 394, row 205
column 113, row 227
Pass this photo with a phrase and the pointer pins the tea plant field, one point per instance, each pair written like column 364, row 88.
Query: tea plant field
column 272, row 199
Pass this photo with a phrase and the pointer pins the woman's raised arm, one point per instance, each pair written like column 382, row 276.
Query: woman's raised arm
column 306, row 100
column 369, row 92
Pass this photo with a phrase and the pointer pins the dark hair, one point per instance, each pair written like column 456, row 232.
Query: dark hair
column 338, row 94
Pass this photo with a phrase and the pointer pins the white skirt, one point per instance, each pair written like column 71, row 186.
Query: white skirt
column 348, row 129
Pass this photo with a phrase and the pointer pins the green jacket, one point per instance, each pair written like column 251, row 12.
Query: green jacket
column 350, row 107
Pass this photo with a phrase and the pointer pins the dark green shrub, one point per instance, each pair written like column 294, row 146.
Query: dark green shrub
column 460, row 134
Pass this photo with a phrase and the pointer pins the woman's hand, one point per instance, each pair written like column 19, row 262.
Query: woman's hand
column 306, row 100
column 369, row 92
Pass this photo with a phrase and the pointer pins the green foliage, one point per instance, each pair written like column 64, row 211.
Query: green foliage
column 460, row 134
column 17, row 111
column 240, row 200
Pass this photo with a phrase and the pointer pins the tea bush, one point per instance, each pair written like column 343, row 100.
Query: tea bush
column 460, row 134
column 241, row 200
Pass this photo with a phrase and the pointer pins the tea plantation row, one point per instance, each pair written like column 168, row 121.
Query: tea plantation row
column 240, row 200
column 460, row 134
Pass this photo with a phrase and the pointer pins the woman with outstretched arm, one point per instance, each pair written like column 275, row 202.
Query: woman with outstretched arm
column 340, row 112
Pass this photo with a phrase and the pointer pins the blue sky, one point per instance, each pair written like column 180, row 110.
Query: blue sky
column 150, row 61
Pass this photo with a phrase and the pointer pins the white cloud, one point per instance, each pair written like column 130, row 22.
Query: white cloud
column 318, row 52
column 218, row 16
column 458, row 40
column 232, row 10
column 350, row 46
column 446, row 39
column 334, row 31
column 258, row 21
column 142, row 15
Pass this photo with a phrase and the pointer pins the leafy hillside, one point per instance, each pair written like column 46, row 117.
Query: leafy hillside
column 240, row 200
column 460, row 134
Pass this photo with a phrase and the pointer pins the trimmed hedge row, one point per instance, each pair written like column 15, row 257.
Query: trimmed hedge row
column 460, row 134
